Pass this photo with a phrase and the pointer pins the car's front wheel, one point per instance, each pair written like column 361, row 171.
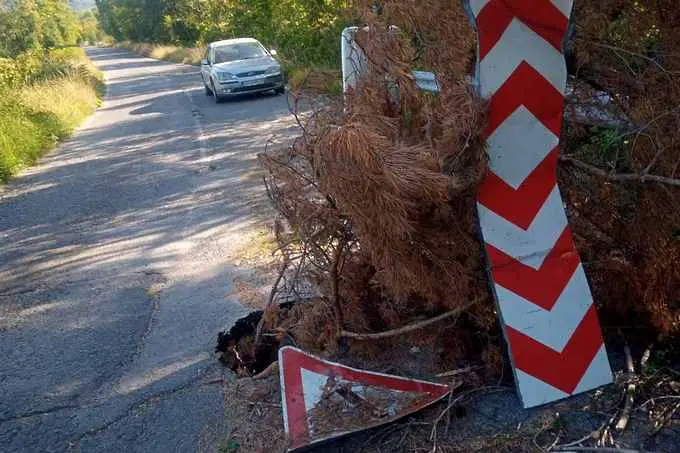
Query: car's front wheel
column 218, row 98
column 208, row 91
column 280, row 90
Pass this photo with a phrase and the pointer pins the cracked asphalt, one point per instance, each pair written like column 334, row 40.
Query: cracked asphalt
column 116, row 266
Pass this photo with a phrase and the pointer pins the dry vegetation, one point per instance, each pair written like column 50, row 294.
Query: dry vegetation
column 382, row 198
column 36, row 115
column 377, row 216
column 175, row 54
column 623, row 184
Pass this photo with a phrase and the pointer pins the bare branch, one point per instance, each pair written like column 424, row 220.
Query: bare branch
column 335, row 283
column 458, row 372
column 411, row 327
column 599, row 450
column 621, row 177
column 664, row 421
column 633, row 54
column 271, row 370
column 592, row 435
column 659, row 151
column 630, row 392
column 645, row 357
column 270, row 302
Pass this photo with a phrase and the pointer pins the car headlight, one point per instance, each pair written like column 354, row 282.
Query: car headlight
column 224, row 76
column 273, row 70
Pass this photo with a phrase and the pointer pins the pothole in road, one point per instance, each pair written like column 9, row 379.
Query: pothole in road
column 237, row 349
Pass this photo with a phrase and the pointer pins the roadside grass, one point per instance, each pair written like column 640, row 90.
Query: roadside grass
column 34, row 117
column 296, row 72
column 175, row 54
column 322, row 80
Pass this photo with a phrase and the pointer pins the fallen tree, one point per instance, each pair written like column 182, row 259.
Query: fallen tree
column 376, row 200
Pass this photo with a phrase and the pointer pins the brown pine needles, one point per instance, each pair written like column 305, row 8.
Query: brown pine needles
column 388, row 174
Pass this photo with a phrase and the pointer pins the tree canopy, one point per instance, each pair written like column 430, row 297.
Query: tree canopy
column 307, row 29
column 28, row 25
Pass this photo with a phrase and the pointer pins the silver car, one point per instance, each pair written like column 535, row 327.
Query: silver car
column 237, row 66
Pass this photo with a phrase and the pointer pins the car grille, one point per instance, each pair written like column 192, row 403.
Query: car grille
column 253, row 88
column 249, row 73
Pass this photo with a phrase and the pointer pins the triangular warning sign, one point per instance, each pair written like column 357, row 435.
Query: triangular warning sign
column 324, row 400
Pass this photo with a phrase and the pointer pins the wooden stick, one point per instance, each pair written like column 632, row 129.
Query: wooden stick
column 457, row 372
column 622, row 177
column 410, row 327
column 594, row 435
column 271, row 370
column 645, row 357
column 270, row 302
column 335, row 282
column 665, row 420
column 634, row 54
column 630, row 393
column 600, row 450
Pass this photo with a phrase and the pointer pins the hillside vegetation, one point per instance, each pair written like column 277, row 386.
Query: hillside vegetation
column 169, row 52
column 47, row 85
column 306, row 32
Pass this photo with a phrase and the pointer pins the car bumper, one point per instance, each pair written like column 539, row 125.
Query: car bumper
column 243, row 87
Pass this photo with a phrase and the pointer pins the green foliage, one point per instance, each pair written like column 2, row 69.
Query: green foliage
column 10, row 72
column 231, row 447
column 619, row 29
column 42, row 99
column 306, row 32
column 606, row 147
column 26, row 67
column 184, row 55
column 22, row 134
column 46, row 88
column 20, row 27
column 60, row 25
column 90, row 32
column 29, row 26
column 38, row 66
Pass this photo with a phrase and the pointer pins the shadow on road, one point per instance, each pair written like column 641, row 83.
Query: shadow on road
column 116, row 260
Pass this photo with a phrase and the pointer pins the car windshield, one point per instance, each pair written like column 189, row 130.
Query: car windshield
column 240, row 51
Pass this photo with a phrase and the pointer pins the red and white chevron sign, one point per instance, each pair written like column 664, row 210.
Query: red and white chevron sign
column 544, row 300
column 323, row 400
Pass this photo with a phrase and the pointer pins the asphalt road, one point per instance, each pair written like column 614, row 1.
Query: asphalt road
column 115, row 266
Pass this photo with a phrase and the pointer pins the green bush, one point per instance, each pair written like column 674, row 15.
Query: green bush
column 67, row 54
column 606, row 147
column 24, row 134
column 305, row 32
column 10, row 73
column 41, row 103
column 46, row 87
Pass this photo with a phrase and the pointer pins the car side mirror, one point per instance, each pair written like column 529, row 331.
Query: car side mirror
column 205, row 62
column 273, row 52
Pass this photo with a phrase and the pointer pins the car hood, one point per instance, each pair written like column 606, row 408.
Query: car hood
column 254, row 64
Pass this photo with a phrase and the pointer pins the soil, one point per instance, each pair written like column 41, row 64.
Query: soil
column 255, row 268
column 256, row 404
column 480, row 416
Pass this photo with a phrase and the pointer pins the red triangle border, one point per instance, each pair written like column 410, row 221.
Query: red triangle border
column 293, row 360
